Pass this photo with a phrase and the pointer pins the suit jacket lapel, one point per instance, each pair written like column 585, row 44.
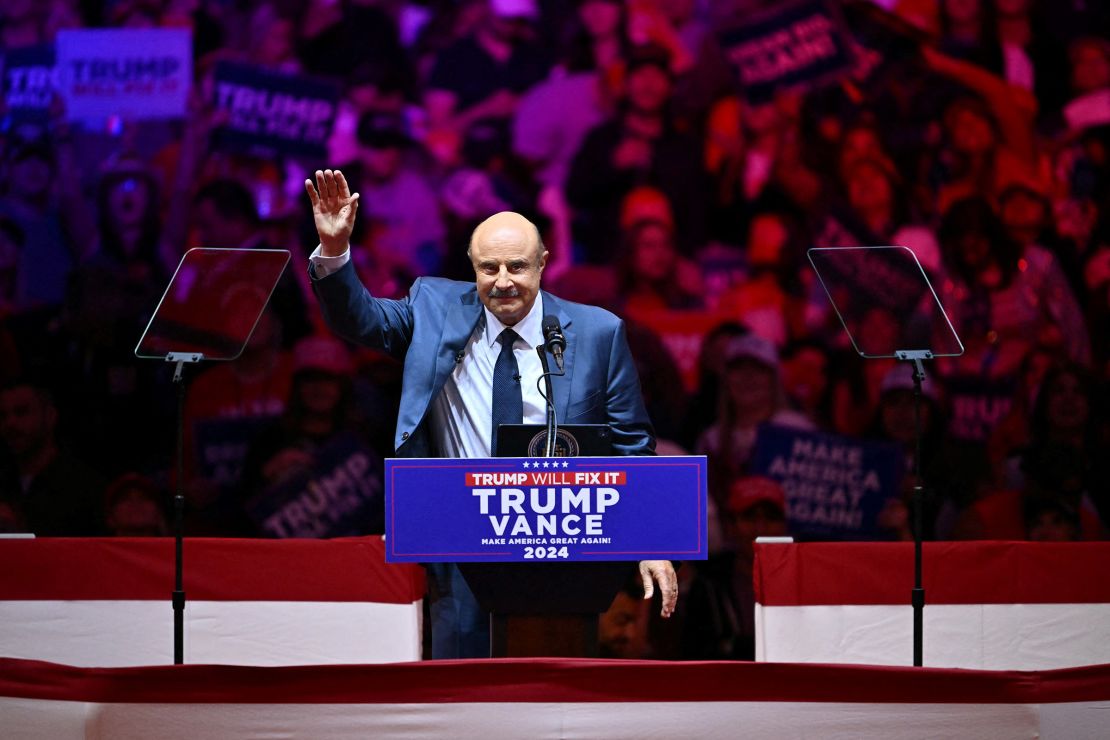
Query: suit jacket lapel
column 459, row 324
column 560, row 384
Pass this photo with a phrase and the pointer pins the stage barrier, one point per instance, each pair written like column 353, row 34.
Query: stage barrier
column 989, row 605
column 516, row 698
column 106, row 602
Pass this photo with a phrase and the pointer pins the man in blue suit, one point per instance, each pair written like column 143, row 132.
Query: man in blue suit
column 469, row 364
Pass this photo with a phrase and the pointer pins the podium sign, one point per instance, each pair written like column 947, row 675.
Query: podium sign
column 551, row 508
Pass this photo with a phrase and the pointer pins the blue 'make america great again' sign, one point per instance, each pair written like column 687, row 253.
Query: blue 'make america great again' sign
column 522, row 509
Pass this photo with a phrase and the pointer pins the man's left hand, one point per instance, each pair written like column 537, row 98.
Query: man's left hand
column 661, row 572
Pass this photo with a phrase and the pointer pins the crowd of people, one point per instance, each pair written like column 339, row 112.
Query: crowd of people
column 975, row 132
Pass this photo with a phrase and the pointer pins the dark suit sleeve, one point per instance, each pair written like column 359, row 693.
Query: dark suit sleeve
column 356, row 315
column 632, row 430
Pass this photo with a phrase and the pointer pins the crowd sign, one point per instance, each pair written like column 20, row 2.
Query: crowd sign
column 268, row 112
column 551, row 508
column 30, row 82
column 801, row 43
column 682, row 332
column 132, row 73
column 978, row 405
column 835, row 486
column 339, row 496
column 220, row 447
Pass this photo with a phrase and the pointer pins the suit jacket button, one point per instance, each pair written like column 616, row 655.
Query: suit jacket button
column 404, row 435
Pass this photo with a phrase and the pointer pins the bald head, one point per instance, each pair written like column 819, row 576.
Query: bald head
column 507, row 226
column 508, row 257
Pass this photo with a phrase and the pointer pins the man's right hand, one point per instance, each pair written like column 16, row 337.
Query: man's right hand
column 333, row 209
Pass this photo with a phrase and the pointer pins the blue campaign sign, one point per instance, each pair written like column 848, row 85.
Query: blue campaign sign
column 567, row 508
column 339, row 495
column 799, row 43
column 835, row 486
column 220, row 446
column 30, row 82
column 978, row 405
column 128, row 72
column 269, row 112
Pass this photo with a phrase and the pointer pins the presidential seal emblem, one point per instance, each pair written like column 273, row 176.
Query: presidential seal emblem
column 565, row 444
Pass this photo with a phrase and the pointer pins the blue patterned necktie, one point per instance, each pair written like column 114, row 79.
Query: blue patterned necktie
column 508, row 402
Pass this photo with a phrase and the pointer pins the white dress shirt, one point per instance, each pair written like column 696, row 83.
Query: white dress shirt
column 462, row 412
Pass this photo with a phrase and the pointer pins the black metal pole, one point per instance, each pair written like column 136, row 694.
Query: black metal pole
column 179, row 524
column 917, row 598
column 549, row 447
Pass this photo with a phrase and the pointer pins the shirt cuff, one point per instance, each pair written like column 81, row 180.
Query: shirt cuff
column 322, row 266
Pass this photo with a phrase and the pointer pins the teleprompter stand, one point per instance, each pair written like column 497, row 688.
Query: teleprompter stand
column 208, row 312
column 917, row 595
column 872, row 286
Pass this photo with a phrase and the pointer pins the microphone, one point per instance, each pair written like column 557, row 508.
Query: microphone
column 554, row 340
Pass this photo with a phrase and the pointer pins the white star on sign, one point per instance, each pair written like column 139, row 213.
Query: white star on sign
column 565, row 464
column 545, row 464
column 525, row 463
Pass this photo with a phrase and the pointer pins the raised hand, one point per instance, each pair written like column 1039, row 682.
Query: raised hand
column 333, row 209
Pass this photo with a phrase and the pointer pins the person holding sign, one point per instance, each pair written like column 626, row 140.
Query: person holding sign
column 458, row 342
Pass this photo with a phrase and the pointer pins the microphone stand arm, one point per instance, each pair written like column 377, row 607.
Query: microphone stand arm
column 552, row 422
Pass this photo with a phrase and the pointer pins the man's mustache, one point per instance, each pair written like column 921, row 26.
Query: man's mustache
column 510, row 293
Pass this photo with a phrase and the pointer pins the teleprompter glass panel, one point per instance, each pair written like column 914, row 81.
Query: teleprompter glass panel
column 885, row 301
column 213, row 303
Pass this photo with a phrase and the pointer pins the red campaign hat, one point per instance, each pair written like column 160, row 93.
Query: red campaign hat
column 747, row 492
column 752, row 347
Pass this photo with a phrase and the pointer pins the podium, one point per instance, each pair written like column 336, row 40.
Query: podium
column 545, row 609
column 546, row 543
